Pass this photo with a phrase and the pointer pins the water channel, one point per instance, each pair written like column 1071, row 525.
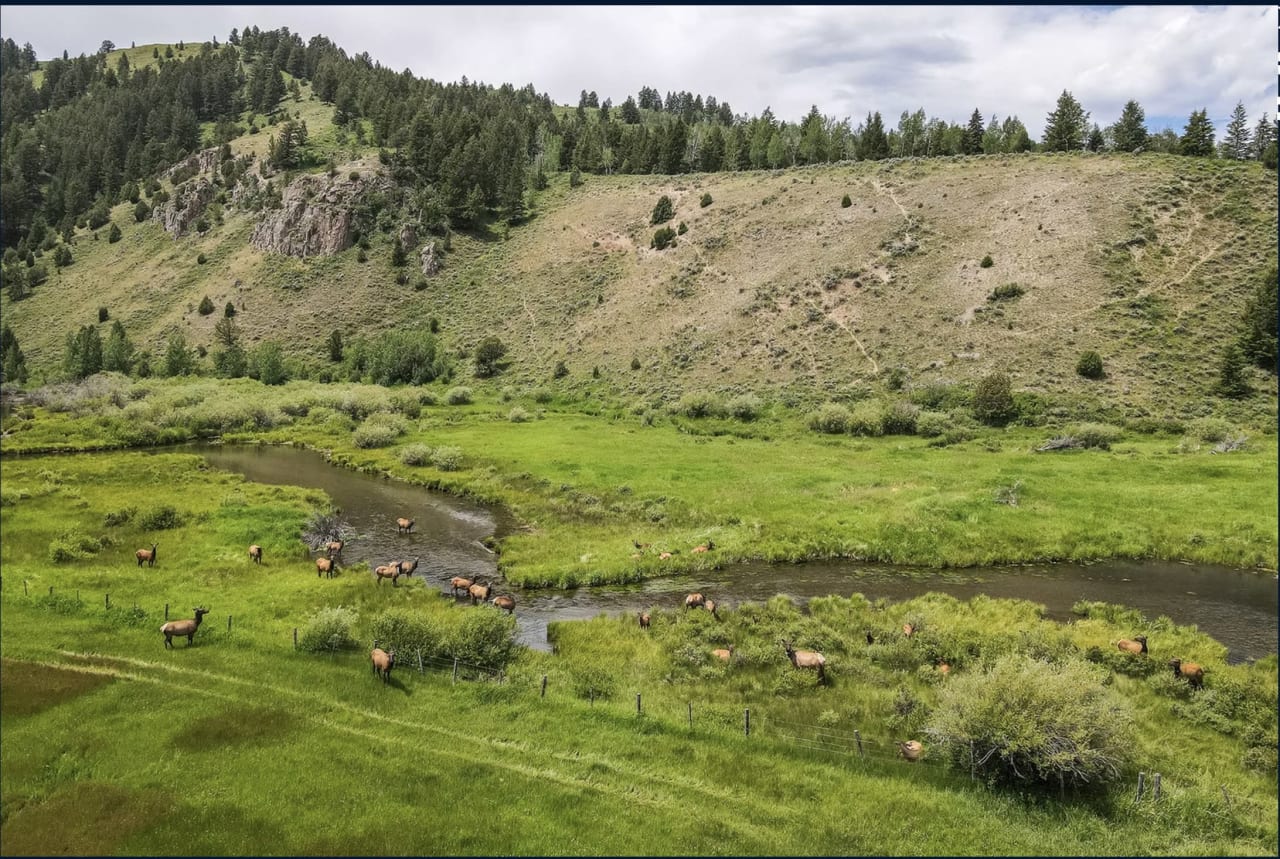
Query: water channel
column 1237, row 607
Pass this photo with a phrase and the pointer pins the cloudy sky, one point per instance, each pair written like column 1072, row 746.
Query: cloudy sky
column 846, row 60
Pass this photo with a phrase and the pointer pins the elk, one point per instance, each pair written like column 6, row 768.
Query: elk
column 148, row 555
column 908, row 629
column 667, row 556
column 640, row 547
column 383, row 661
column 871, row 639
column 507, row 604
column 255, row 553
column 944, row 667
column 710, row 606
column 911, row 749
column 479, row 592
column 705, row 547
column 388, row 571
column 695, row 601
column 334, row 546
column 1137, row 646
column 404, row 526
column 326, row 567
column 183, row 627
column 1188, row 671
column 644, row 620
column 807, row 659
column 407, row 568
column 458, row 583
column 723, row 655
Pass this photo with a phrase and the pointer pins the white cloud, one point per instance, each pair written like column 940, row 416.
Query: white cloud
column 846, row 60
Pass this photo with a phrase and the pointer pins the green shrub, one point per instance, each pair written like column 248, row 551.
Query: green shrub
column 663, row 211
column 201, row 259
column 845, row 202
column 663, row 238
column 901, row 418
column 1095, row 435
column 698, row 405
column 206, row 306
column 1006, row 291
column 560, row 371
column 329, row 630
column 1033, row 724
column 867, row 419
column 517, row 415
column 682, row 229
column 932, row 424
column 485, row 639
column 113, row 235
column 73, row 546
column 542, row 396
column 987, row 261
column 706, row 201
column 116, row 518
column 830, row 418
column 1210, row 430
column 161, row 519
column 415, row 454
column 447, row 458
column 746, row 407
column 459, row 396
column 1090, row 365
column 407, row 633
column 993, row 400
column 372, row 435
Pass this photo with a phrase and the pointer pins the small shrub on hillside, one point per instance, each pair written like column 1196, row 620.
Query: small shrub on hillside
column 682, row 229
column 447, row 458
column 845, row 202
column 663, row 211
column 1233, row 380
column 484, row 639
column 1090, row 365
column 830, row 418
column 901, row 418
column 932, row 424
column 116, row 518
column 113, row 235
column 415, row 454
column 206, row 306
column 162, row 518
column 141, row 212
column 993, row 400
column 663, row 238
column 745, row 408
column 542, row 396
column 517, row 415
column 560, row 371
column 1101, row 436
column 1033, row 724
column 1211, row 429
column 705, row 201
column 73, row 546
column 953, row 435
column 329, row 630
column 635, row 363
column 459, row 396
column 867, row 419
column 698, row 405
column 201, row 259
column 1006, row 291
column 987, row 261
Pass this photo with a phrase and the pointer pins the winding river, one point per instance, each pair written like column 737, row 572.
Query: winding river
column 1237, row 607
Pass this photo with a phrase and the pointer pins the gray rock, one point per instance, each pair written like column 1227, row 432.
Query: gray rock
column 315, row 218
column 189, row 201
column 430, row 259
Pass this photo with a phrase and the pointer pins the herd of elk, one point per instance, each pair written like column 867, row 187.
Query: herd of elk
column 148, row 555
column 183, row 627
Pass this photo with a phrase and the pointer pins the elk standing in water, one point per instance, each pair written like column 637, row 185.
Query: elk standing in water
column 404, row 526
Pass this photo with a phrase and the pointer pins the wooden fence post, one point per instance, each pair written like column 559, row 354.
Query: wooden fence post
column 24, row 587
column 455, row 669
column 108, row 598
column 746, row 721
column 543, row 693
column 1156, row 792
column 228, row 623
column 1142, row 781
column 295, row 631
column 638, row 710
column 50, row 590
column 857, row 735
column 690, row 714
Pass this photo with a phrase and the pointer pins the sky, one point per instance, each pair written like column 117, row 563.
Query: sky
column 846, row 60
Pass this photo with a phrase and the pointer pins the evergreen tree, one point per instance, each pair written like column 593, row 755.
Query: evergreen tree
column 83, row 355
column 1096, row 141
column 13, row 364
column 630, row 112
column 179, row 360
column 1233, row 380
column 335, row 346
column 230, row 362
column 1263, row 136
column 267, row 364
column 1238, row 144
column 1197, row 136
column 1067, row 125
column 971, row 143
column 1258, row 340
column 1130, row 131
column 873, row 145
column 117, row 354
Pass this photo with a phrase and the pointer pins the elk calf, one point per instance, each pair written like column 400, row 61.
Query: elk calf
column 404, row 526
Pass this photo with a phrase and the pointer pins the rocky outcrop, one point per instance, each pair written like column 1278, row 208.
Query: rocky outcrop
column 409, row 236
column 315, row 217
column 204, row 161
column 189, row 200
column 430, row 259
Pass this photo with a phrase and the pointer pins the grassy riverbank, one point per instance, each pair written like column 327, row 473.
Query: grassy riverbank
column 588, row 480
column 242, row 740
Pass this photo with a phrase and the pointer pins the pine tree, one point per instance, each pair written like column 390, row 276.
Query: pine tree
column 1067, row 125
column 873, row 144
column 1258, row 340
column 1263, row 136
column 1238, row 143
column 1096, row 141
column 117, row 354
column 971, row 143
column 1233, row 381
column 1130, row 131
column 1197, row 136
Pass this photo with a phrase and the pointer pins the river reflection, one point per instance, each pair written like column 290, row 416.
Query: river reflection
column 1237, row 607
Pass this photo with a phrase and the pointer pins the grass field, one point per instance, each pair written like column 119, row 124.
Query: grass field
column 242, row 744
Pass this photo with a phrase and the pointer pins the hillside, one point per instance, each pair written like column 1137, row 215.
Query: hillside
column 1147, row 260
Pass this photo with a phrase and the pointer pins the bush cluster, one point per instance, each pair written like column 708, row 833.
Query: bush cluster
column 329, row 630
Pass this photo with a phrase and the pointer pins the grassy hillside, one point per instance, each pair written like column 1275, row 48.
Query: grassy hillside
column 1147, row 260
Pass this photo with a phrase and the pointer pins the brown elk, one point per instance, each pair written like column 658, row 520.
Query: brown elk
column 326, row 567
column 383, row 661
column 388, row 571
column 644, row 620
column 148, row 555
column 1188, row 671
column 710, row 606
column 479, row 592
column 404, row 526
column 807, row 659
column 407, row 568
column 640, row 547
column 911, row 750
column 1137, row 646
column 944, row 668
column 507, row 604
column 695, row 601
column 255, row 553
column 458, row 583
column 705, row 547
column 724, row 655
column 333, row 547
column 667, row 556
column 908, row 629
column 183, row 627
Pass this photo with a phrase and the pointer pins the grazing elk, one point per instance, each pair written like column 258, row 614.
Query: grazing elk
column 1138, row 646
column 710, row 606
column 458, row 583
column 479, row 593
column 911, row 750
column 388, row 571
column 1188, row 671
column 705, row 547
column 404, row 526
column 908, row 629
column 183, row 627
column 507, row 604
column 723, row 655
column 383, row 661
column 333, row 547
column 148, row 555
column 644, row 620
column 326, row 567
column 695, row 601
column 807, row 659
column 255, row 553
